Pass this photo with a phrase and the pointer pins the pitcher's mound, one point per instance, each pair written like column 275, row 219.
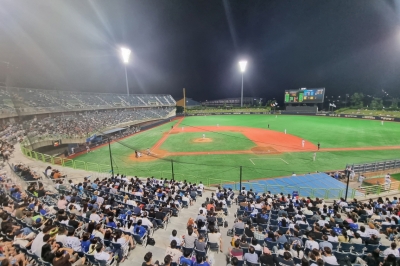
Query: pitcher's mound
column 264, row 150
column 202, row 140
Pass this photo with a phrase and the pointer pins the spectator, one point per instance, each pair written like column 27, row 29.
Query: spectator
column 328, row 257
column 251, row 257
column 174, row 237
column 311, row 243
column 285, row 261
column 189, row 238
column 215, row 237
column 236, row 251
column 392, row 250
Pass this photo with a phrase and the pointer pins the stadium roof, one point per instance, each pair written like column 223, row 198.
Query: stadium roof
column 113, row 130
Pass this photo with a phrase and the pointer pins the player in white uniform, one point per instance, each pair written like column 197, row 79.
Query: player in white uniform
column 204, row 136
column 314, row 156
column 382, row 122
column 302, row 143
column 72, row 150
column 387, row 181
column 87, row 149
column 285, row 131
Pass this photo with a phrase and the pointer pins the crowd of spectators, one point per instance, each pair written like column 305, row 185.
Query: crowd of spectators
column 99, row 220
column 104, row 219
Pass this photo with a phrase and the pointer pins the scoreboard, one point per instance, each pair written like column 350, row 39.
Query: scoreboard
column 305, row 96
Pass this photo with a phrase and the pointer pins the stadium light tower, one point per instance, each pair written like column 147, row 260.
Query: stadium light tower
column 125, row 58
column 242, row 65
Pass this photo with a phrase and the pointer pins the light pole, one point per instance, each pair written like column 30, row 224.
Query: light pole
column 125, row 58
column 242, row 65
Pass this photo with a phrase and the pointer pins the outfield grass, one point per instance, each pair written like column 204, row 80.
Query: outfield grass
column 330, row 132
column 229, row 141
column 396, row 176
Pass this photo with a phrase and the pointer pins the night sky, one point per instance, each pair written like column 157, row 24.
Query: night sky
column 345, row 46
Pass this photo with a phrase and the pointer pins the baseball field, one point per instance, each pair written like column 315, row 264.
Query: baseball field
column 214, row 147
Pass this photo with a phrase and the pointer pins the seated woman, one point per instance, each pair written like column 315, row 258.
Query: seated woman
column 85, row 242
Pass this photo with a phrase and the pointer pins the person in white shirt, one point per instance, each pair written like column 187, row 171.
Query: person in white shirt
column 72, row 241
column 311, row 243
column 387, row 181
column 99, row 200
column 328, row 257
column 333, row 237
column 38, row 242
column 322, row 222
column 146, row 221
column 203, row 209
column 95, row 217
column 371, row 230
column 174, row 237
column 392, row 250
column 62, row 203
column 61, row 235
column 200, row 186
column 101, row 254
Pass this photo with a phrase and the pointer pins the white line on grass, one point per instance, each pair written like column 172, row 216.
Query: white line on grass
column 251, row 160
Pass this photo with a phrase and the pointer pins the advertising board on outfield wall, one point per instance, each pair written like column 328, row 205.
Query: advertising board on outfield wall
column 370, row 117
column 380, row 118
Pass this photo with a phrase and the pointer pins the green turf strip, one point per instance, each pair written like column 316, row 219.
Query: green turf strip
column 228, row 141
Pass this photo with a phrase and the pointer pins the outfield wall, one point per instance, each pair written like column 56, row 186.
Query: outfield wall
column 368, row 117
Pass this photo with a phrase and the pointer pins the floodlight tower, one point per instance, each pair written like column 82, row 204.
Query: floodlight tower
column 242, row 66
column 125, row 52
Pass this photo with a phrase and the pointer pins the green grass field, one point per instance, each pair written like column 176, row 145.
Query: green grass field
column 229, row 141
column 330, row 132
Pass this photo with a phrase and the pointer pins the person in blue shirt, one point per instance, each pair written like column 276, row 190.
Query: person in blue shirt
column 200, row 262
column 186, row 258
column 94, row 186
column 16, row 194
column 110, row 222
column 85, row 242
column 139, row 229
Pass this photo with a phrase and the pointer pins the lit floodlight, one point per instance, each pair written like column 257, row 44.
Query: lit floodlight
column 242, row 65
column 125, row 54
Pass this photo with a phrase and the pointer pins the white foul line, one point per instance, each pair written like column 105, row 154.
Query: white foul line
column 251, row 160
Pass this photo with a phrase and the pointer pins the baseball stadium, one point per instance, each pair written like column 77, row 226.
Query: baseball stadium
column 192, row 133
column 262, row 150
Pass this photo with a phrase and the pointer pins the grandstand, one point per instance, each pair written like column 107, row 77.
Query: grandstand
column 35, row 101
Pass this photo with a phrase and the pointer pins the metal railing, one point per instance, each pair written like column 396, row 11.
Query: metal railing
column 375, row 166
column 380, row 188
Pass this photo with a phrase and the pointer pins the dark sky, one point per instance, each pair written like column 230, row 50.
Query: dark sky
column 344, row 46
